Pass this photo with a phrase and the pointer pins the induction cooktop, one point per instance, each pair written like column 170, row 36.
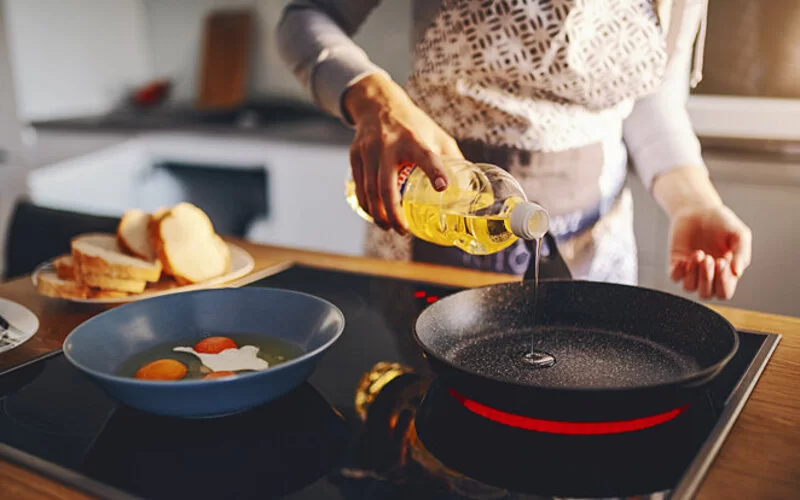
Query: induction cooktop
column 335, row 437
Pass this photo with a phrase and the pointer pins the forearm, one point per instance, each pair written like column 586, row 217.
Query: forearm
column 373, row 95
column 685, row 188
column 314, row 40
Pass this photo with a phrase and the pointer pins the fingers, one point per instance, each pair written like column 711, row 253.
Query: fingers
column 741, row 243
column 709, row 277
column 724, row 280
column 389, row 192
column 705, row 281
column 357, row 168
column 430, row 163
column 691, row 276
column 677, row 270
column 370, row 153
column 376, row 155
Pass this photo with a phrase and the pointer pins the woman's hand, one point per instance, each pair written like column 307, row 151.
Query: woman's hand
column 710, row 250
column 390, row 131
column 710, row 246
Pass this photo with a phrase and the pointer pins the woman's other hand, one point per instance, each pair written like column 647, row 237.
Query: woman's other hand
column 710, row 250
column 390, row 131
column 710, row 247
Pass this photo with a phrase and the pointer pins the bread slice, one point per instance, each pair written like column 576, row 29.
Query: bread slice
column 113, row 284
column 65, row 267
column 133, row 235
column 48, row 283
column 225, row 251
column 99, row 254
column 187, row 246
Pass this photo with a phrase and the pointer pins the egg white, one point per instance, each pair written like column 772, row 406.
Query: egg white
column 233, row 359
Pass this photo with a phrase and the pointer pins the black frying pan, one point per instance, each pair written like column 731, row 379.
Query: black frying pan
column 619, row 353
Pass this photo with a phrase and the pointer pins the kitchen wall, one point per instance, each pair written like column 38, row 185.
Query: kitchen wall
column 174, row 31
column 75, row 57
column 99, row 49
column 10, row 134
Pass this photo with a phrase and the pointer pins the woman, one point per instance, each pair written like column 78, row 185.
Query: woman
column 562, row 94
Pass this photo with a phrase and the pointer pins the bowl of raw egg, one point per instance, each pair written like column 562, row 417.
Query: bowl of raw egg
column 205, row 353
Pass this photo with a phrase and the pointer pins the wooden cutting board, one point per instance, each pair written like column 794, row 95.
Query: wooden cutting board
column 225, row 59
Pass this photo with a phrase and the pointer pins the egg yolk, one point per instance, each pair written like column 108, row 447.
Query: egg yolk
column 222, row 374
column 214, row 345
column 162, row 369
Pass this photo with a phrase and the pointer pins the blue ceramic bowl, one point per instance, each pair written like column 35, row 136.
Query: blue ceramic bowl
column 99, row 346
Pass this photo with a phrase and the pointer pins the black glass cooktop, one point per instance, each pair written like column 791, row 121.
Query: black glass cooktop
column 317, row 443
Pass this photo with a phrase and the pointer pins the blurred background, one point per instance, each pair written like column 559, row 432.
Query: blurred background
column 107, row 105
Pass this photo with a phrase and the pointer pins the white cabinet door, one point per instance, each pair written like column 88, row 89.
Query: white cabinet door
column 307, row 207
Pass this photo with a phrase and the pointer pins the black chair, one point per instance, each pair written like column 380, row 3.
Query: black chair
column 37, row 234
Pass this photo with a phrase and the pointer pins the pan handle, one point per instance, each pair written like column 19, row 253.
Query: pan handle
column 551, row 266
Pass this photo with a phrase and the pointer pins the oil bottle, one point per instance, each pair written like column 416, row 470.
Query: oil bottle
column 482, row 211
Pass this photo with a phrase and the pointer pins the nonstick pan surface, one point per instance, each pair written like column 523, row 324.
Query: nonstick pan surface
column 619, row 351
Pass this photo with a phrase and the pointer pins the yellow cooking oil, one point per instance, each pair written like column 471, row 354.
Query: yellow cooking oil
column 473, row 213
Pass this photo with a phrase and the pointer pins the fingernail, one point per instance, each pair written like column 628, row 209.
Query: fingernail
column 440, row 184
column 722, row 264
column 700, row 256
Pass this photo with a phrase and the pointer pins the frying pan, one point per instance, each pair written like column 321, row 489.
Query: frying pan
column 611, row 357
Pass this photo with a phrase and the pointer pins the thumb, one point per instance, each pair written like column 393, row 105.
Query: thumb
column 740, row 244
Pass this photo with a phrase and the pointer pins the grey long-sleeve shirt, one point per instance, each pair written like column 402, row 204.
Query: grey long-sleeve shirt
column 314, row 38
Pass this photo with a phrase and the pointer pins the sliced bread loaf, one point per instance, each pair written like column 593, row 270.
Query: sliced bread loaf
column 187, row 246
column 133, row 236
column 100, row 255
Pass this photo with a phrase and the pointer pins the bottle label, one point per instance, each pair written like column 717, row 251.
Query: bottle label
column 402, row 176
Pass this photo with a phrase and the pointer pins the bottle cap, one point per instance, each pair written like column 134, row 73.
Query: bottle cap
column 529, row 221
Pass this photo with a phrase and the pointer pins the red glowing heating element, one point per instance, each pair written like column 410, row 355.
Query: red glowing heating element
column 419, row 294
column 571, row 428
column 432, row 299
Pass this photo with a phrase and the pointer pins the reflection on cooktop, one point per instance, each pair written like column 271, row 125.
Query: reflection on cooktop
column 273, row 451
column 67, row 415
column 356, row 430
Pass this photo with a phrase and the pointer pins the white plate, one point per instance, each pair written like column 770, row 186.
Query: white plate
column 241, row 264
column 24, row 324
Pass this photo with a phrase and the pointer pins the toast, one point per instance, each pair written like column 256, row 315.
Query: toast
column 65, row 268
column 112, row 284
column 187, row 246
column 48, row 283
column 172, row 247
column 100, row 254
column 133, row 236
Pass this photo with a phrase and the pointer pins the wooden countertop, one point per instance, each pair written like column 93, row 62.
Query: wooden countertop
column 759, row 459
